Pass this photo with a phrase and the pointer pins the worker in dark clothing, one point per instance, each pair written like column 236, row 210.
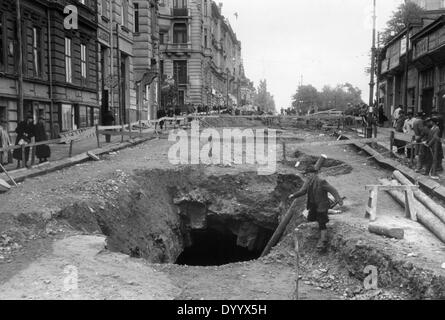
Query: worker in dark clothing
column 431, row 144
column 160, row 115
column 438, row 118
column 108, row 120
column 318, row 202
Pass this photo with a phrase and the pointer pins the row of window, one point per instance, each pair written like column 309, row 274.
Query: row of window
column 69, row 62
column 37, row 54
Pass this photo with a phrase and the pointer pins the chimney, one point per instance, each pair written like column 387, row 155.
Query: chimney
column 220, row 5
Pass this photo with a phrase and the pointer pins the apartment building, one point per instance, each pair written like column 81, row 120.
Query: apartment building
column 115, row 34
column 199, row 53
column 419, row 82
column 46, row 69
column 430, row 5
column 146, row 57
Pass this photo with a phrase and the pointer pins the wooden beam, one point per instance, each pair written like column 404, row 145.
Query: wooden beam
column 390, row 188
column 390, row 232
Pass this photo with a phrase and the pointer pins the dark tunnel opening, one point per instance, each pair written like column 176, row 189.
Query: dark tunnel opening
column 216, row 247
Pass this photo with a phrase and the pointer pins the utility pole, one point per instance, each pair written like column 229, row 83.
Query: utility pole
column 406, row 67
column 20, row 63
column 228, row 84
column 119, row 76
column 373, row 56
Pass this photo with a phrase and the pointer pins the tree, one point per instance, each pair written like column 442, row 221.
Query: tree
column 407, row 13
column 263, row 99
column 337, row 97
column 305, row 97
column 340, row 96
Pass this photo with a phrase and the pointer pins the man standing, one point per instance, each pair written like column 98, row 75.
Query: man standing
column 440, row 123
column 433, row 157
column 318, row 202
column 25, row 131
column 418, row 125
column 408, row 130
column 396, row 116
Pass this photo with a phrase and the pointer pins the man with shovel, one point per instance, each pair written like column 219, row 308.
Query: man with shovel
column 318, row 202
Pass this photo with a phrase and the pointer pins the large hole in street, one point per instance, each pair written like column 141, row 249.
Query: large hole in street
column 217, row 246
column 186, row 216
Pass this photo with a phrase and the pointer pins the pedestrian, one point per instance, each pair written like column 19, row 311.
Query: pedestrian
column 5, row 142
column 399, row 128
column 108, row 120
column 43, row 152
column 396, row 115
column 418, row 125
column 25, row 132
column 408, row 130
column 318, row 203
column 382, row 117
column 161, row 114
column 423, row 150
column 431, row 144
column 440, row 123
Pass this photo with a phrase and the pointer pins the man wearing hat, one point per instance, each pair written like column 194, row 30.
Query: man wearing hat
column 318, row 202
column 25, row 131
column 432, row 145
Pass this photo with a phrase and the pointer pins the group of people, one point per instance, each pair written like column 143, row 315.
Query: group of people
column 26, row 130
column 428, row 133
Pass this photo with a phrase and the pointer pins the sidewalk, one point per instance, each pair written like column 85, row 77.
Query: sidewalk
column 60, row 154
column 433, row 187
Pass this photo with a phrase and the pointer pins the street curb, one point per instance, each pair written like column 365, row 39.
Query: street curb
column 429, row 186
column 22, row 175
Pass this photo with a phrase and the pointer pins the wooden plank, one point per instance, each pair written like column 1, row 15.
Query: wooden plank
column 390, row 188
column 390, row 232
column 93, row 156
column 4, row 186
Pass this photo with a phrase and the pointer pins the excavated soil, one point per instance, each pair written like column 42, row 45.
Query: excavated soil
column 162, row 214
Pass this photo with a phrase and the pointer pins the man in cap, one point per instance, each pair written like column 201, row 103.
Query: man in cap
column 318, row 203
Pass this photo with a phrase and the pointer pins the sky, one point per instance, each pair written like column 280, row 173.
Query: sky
column 326, row 42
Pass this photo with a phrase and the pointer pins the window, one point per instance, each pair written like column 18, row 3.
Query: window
column 136, row 17
column 68, row 61
column 105, row 8
column 161, row 68
column 206, row 6
column 180, row 72
column 180, row 33
column 442, row 74
column 205, row 39
column 83, row 62
column 36, row 51
column 161, row 38
column 180, row 4
column 124, row 13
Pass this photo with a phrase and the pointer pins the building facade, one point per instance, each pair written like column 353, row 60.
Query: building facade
column 199, row 54
column 411, row 72
column 117, row 91
column 430, row 5
column 45, row 68
column 146, row 57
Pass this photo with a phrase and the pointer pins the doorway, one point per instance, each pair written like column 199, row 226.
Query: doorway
column 427, row 101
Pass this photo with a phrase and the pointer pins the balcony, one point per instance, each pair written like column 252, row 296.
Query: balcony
column 180, row 12
column 178, row 48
